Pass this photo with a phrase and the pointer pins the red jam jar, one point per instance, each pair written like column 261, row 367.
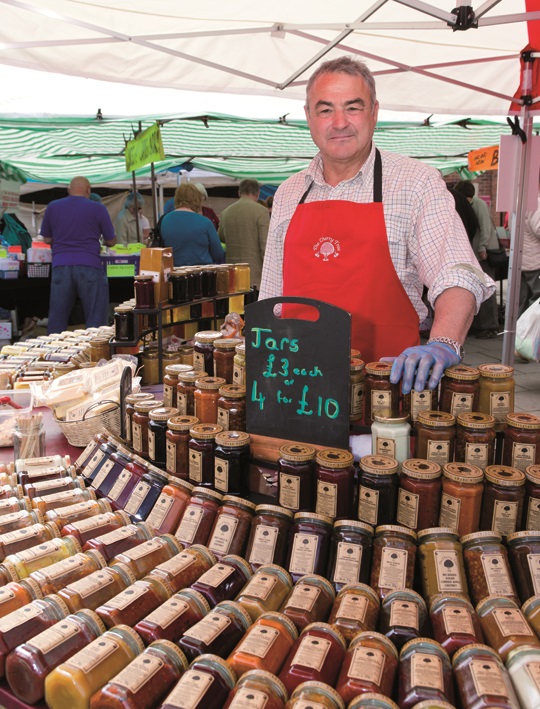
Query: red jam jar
column 296, row 479
column 403, row 617
column 218, row 632
column 419, row 494
column 309, row 601
column 377, row 489
column 482, row 680
column 119, row 540
column 198, row 518
column 382, row 397
column 120, row 492
column 309, row 544
column 502, row 503
column 425, row 673
column 206, row 685
column 231, row 407
column 95, row 589
column 169, row 506
column 184, row 568
column 177, row 439
column 229, row 533
column 521, row 440
column 224, row 351
column 171, row 619
column 86, row 529
column 202, row 445
column 334, row 472
column 269, row 535
column 224, row 580
column 454, row 622
column 146, row 556
column 475, row 439
column 135, row 602
column 460, row 390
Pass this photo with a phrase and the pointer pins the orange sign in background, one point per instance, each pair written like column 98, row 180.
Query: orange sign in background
column 484, row 159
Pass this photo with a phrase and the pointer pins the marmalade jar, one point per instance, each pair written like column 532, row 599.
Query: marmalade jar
column 425, row 672
column 224, row 580
column 171, row 619
column 370, row 665
column 16, row 595
column 441, row 563
column 461, row 501
column 377, row 489
column 419, row 494
column 487, row 567
column 231, row 411
column 460, row 390
column 531, row 508
column 169, row 506
column 185, row 391
column 177, row 439
column 524, row 554
column 37, row 557
column 436, row 433
column 482, row 680
column 310, row 600
column 206, row 397
column 95, row 589
column 296, row 478
column 55, row 577
column 475, row 439
column 231, row 463
column 334, row 471
column 497, row 387
column 394, row 555
column 454, row 622
column 257, row 686
column 265, row 591
column 268, row 536
column 218, row 632
column 382, row 397
column 201, row 453
column 403, row 617
column 502, row 503
column 206, row 685
column 355, row 608
column 198, row 518
column 230, row 531
column 223, row 355
column 309, row 544
column 521, row 440
column 184, row 568
column 504, row 625
column 350, row 553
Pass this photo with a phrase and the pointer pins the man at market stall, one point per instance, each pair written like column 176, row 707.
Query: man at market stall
column 365, row 229
column 73, row 226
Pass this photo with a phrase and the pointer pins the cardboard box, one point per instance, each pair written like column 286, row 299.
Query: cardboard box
column 157, row 263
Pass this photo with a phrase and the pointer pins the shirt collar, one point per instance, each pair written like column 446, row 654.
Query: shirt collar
column 314, row 171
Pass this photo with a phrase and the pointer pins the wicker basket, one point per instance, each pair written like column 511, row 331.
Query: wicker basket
column 80, row 433
column 38, row 270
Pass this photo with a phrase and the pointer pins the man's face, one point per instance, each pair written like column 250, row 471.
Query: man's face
column 341, row 118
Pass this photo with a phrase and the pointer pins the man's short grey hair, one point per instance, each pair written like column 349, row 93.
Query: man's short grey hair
column 249, row 186
column 344, row 65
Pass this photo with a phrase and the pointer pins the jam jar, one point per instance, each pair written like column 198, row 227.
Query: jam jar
column 310, row 601
column 425, row 673
column 53, row 578
column 230, row 531
column 370, row 665
column 296, row 478
column 96, row 588
column 157, row 428
column 394, row 555
column 224, row 350
column 419, row 494
column 198, row 518
column 415, row 402
column 334, row 473
column 37, row 557
column 523, row 665
column 350, row 553
column 224, row 580
column 231, row 411
column 316, row 655
column 145, row 493
column 119, row 540
column 265, row 645
column 318, row 695
column 144, row 292
column 177, row 439
column 524, row 554
column 124, row 323
column 309, row 544
column 16, row 595
column 496, row 392
column 403, row 617
column 460, row 390
column 482, row 680
column 454, row 622
column 106, row 448
column 239, row 368
column 206, row 685
column 172, row 618
column 203, row 350
column 184, row 568
column 185, row 391
column 531, row 507
column 521, row 440
column 89, row 452
column 266, row 590
column 441, row 563
column 120, row 492
column 475, row 439
column 206, row 397
column 378, row 489
column 111, row 471
column 355, row 609
column 391, row 437
column 531, row 611
column 382, row 397
column 461, row 500
column 135, row 602
column 47, row 487
column 504, row 625
column 19, row 520
column 268, row 536
column 502, row 503
column 139, row 425
column 169, row 506
column 231, row 462
column 150, row 366
column 201, row 453
column 218, row 632
column 357, row 392
column 20, row 539
column 170, row 382
column 50, row 502
column 436, row 433
column 487, row 566
column 257, row 688
column 146, row 556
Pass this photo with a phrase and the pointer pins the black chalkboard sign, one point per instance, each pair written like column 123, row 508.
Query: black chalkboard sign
column 297, row 373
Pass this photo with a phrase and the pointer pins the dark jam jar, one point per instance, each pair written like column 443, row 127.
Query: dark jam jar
column 124, row 323
column 198, row 518
column 206, row 685
column 521, row 440
column 174, row 617
column 185, row 392
column 378, row 489
column 231, row 462
column 382, row 397
column 436, row 433
column 419, row 494
column 231, row 407
column 131, row 400
column 230, row 531
column 296, row 478
column 126, row 481
column 475, row 439
column 224, row 580
column 144, row 292
column 224, row 351
column 425, row 672
column 145, row 494
column 334, row 471
column 177, row 439
column 218, row 632
column 524, row 554
column 203, row 351
column 309, row 544
column 350, row 553
column 99, row 459
column 531, row 508
column 170, row 382
column 502, row 503
column 110, row 472
column 157, row 428
column 139, row 425
column 269, row 535
column 454, row 622
column 403, row 617
column 202, row 445
column 482, row 680
column 460, row 390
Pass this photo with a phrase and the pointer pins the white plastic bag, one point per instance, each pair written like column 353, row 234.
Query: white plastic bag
column 528, row 333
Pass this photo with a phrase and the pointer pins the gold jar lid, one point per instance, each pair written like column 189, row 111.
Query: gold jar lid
column 478, row 536
column 423, row 642
column 462, row 372
column 210, row 382
column 297, row 452
column 147, row 405
column 317, row 580
column 494, row 597
column 240, row 349
column 528, row 422
column 206, row 491
column 524, row 534
column 394, row 529
column 191, row 376
column 420, row 469
column 123, row 309
column 176, row 369
column 241, row 501
column 162, row 413
column 233, row 439
column 142, row 279
column 357, row 364
column 334, row 458
column 378, row 637
column 301, row 516
column 356, row 354
column 476, row 420
column 475, row 646
column 232, row 391
column 436, row 419
column 423, row 533
column 360, row 588
column 390, row 419
column 355, row 524
column 227, row 343
column 318, row 625
column 274, row 509
column 505, row 476
column 495, row 371
column 532, row 473
column 463, row 473
column 206, row 336
column 379, row 464
column 182, row 423
column 205, row 431
column 382, row 369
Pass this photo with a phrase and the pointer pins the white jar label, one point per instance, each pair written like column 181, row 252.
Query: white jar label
column 181, row 403
column 447, row 570
column 123, row 533
column 499, row 405
column 303, row 553
column 496, row 573
column 488, row 678
column 92, row 583
column 167, row 395
column 221, row 474
column 216, row 575
column 504, row 517
column 457, row 619
column 64, row 567
column 534, row 568
column 190, row 690
column 93, row 655
column 84, row 454
column 55, row 636
column 381, row 402
column 385, row 446
column 326, row 498
column 92, row 464
column 170, row 456
column 404, row 614
column 533, row 513
column 393, row 570
column 151, row 445
column 136, row 437
column 138, row 672
column 407, row 510
column 358, row 392
column 39, row 551
column 420, row 401
column 348, row 561
column 144, row 549
column 264, row 545
column 223, row 418
column 127, row 597
column 239, row 375
column 427, row 671
column 190, row 524
column 368, row 505
column 208, row 629
column 260, row 586
column 178, row 564
column 195, row 466
column 438, row 451
column 18, row 617
column 100, row 477
column 449, row 514
column 477, row 454
column 119, row 485
column 303, row 597
column 167, row 613
column 223, row 534
column 533, row 669
column 289, row 491
column 352, row 607
column 159, row 511
column 312, row 652
column 461, row 403
column 367, row 665
column 259, row 641
column 249, row 699
column 137, row 497
column 511, row 622
column 523, row 455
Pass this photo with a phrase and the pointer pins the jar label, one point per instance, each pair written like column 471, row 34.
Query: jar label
column 461, row 403
column 222, row 537
column 127, row 423
column 260, row 586
column 511, row 622
column 438, row 451
column 326, row 498
column 18, row 534
column 89, row 585
column 92, row 464
column 381, row 402
column 136, row 436
column 303, row 597
column 93, row 655
column 477, row 454
column 168, row 395
column 358, row 392
column 144, row 549
column 348, row 560
column 159, row 511
column 534, row 568
column 123, row 533
column 195, row 466
column 407, row 509
column 533, row 513
column 368, row 505
column 6, row 595
column 258, row 641
column 118, row 487
column 264, row 544
column 289, row 491
column 239, row 375
column 177, row 564
column 198, row 361
column 496, row 573
column 420, row 401
column 221, row 474
column 181, row 402
column 427, row 671
column 504, row 517
column 170, row 459
column 216, row 575
column 385, row 446
column 138, row 672
column 449, row 514
column 85, row 525
column 208, row 629
column 393, row 570
column 488, row 678
column 151, row 444
column 55, row 636
column 367, row 665
column 447, row 570
column 499, row 405
column 303, row 554
column 39, row 551
column 190, row 524
column 64, row 567
column 457, row 619
column 523, row 455
column 352, row 607
column 533, row 668
column 312, row 652
column 404, row 614
column 84, row 454
column 190, row 690
column 100, row 477
column 250, row 699
column 18, row 617
column 137, row 497
column 167, row 613
column 223, row 418
column 127, row 597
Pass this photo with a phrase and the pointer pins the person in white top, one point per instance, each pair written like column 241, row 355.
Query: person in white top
column 529, row 291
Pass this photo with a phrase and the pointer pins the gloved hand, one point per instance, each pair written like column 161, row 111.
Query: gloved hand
column 414, row 364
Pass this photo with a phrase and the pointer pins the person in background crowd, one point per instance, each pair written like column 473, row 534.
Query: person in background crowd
column 73, row 226
column 366, row 229
column 207, row 212
column 193, row 238
column 269, row 202
column 529, row 291
column 126, row 226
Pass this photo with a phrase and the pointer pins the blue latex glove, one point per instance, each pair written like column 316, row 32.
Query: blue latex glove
column 414, row 364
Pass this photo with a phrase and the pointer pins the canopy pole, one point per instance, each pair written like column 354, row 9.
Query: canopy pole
column 137, row 225
column 154, row 193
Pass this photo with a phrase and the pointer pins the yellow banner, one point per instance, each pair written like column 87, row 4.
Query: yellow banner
column 144, row 149
column 484, row 159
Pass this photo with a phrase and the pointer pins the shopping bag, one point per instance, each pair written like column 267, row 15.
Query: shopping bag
column 528, row 333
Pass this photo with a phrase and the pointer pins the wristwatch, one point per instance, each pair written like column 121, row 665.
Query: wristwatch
column 454, row 344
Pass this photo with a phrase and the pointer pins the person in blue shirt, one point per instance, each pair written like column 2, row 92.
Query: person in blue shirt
column 192, row 237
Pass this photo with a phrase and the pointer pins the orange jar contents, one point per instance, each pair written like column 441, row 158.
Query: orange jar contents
column 146, row 556
column 355, row 609
column 169, row 507
column 185, row 390
column 184, row 568
column 521, row 440
column 436, row 433
column 475, row 439
column 504, row 626
column 419, row 494
column 199, row 516
column 224, row 351
column 460, row 390
column 502, row 502
column 73, row 513
column 171, row 619
column 135, row 602
column 229, row 534
column 310, row 601
column 16, row 595
column 170, row 382
column 231, row 411
column 461, row 501
column 53, row 578
column 257, row 688
column 206, row 397
column 176, row 443
column 95, row 589
column 497, row 387
column 487, row 566
column 265, row 591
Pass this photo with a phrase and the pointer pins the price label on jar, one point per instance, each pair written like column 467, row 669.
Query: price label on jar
column 264, row 545
column 251, row 699
column 407, row 510
column 208, row 629
column 457, row 619
column 504, row 517
column 523, row 455
column 533, row 513
column 326, row 498
column 488, row 678
column 447, row 569
column 260, row 586
column 368, row 505
column 312, row 652
column 461, row 403
column 496, row 573
column 221, row 474
column 367, row 665
column 190, row 524
column 438, row 451
column 477, row 454
column 511, row 622
column 223, row 534
column 190, row 690
column 404, row 614
column 449, row 514
column 427, row 671
column 303, row 553
column 348, row 561
column 393, row 570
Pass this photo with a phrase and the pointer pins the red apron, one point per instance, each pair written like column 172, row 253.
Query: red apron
column 337, row 251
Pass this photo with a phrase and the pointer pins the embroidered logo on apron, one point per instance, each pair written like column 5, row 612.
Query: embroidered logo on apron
column 327, row 248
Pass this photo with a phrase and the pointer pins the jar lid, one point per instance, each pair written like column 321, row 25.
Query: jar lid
column 269, row 678
column 143, row 278
column 425, row 643
column 233, row 439
column 379, row 464
column 210, row 382
column 276, row 570
column 378, row 637
column 123, row 309
column 354, row 524
column 206, row 336
column 240, row 501
column 360, row 588
column 297, row 452
column 226, row 343
column 463, row 473
column 355, row 354
column 162, row 413
column 387, row 419
column 374, row 700
column 323, row 688
column 236, row 609
column 178, row 368
column 10, row 570
column 161, row 584
column 529, row 604
column 494, row 598
column 420, row 469
column 205, row 551
column 274, row 509
column 33, row 587
column 313, row 516
column 462, row 372
column 206, row 491
column 505, row 476
column 205, row 431
column 495, row 371
column 191, row 376
column 150, row 353
column 423, row 533
column 396, row 528
column 283, row 620
column 403, row 593
column 232, row 391
column 436, row 419
column 327, row 628
column 97, row 557
column 147, row 406
column 178, row 482
column 173, row 652
column 334, row 458
column 192, row 594
column 319, row 581
column 382, row 369
column 476, row 420
column 528, row 422
column 182, row 423
column 357, row 364
column 217, row 663
column 58, row 604
column 126, row 632
column 234, row 559
column 241, row 349
column 93, row 619
column 525, row 534
column 532, row 473
column 478, row 536
column 442, row 599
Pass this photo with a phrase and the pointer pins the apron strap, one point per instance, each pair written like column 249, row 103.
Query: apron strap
column 303, row 197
